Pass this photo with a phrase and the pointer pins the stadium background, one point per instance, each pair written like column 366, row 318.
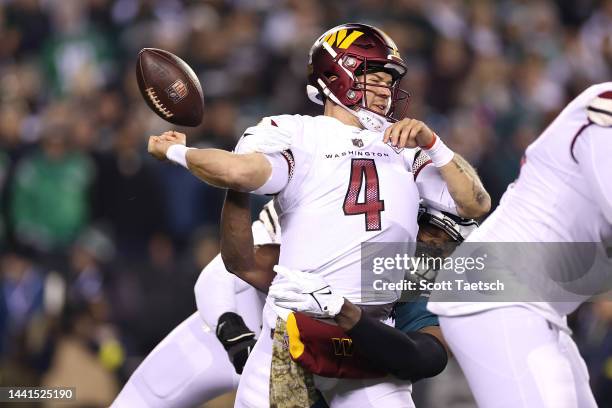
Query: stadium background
column 101, row 245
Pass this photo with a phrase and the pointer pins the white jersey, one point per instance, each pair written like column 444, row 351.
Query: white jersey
column 342, row 186
column 563, row 193
column 218, row 291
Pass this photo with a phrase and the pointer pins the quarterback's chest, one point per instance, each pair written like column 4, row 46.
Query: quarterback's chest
column 353, row 153
column 361, row 172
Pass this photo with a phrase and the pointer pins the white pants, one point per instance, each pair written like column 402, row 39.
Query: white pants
column 513, row 357
column 188, row 368
column 253, row 391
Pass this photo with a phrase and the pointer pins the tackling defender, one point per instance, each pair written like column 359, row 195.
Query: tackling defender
column 339, row 172
column 194, row 352
column 524, row 355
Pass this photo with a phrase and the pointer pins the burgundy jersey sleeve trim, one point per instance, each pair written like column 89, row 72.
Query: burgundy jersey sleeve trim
column 578, row 133
column 421, row 159
column 288, row 155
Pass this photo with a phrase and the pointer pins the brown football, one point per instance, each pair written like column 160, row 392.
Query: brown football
column 170, row 87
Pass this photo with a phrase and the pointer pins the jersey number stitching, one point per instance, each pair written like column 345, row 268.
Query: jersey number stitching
column 372, row 205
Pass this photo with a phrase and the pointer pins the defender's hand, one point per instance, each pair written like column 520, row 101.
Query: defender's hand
column 409, row 133
column 237, row 339
column 306, row 293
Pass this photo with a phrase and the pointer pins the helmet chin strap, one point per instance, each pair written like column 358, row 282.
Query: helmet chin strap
column 368, row 119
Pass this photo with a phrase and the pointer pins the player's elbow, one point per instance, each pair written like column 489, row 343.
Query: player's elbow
column 424, row 365
column 232, row 265
column 476, row 208
column 237, row 264
column 245, row 173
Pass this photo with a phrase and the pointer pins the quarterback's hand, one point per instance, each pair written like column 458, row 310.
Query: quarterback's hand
column 237, row 339
column 158, row 145
column 264, row 138
column 306, row 293
column 409, row 133
column 175, row 137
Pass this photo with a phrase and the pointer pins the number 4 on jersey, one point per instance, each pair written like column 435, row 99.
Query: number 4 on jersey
column 372, row 206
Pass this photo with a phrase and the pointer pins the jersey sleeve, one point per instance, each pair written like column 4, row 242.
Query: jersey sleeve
column 266, row 133
column 279, row 177
column 261, row 236
column 215, row 292
column 413, row 316
column 593, row 150
column 432, row 187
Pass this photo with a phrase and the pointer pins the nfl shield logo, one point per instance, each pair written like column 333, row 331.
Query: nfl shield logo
column 357, row 142
column 177, row 91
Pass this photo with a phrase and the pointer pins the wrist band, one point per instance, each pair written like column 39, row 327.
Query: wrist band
column 178, row 154
column 439, row 153
column 430, row 145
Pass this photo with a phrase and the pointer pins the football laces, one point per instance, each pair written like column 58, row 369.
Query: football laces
column 157, row 103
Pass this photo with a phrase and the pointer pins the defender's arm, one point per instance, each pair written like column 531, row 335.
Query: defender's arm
column 251, row 264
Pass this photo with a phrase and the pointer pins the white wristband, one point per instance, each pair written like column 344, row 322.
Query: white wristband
column 440, row 154
column 178, row 154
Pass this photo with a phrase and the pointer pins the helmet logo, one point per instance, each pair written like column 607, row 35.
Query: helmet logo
column 339, row 38
column 350, row 62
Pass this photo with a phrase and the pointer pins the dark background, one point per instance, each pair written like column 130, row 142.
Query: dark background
column 101, row 245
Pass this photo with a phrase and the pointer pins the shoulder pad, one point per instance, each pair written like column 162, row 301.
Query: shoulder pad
column 599, row 109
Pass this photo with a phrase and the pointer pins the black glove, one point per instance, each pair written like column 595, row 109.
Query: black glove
column 237, row 339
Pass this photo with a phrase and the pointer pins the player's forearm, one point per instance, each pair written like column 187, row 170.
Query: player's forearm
column 260, row 275
column 240, row 172
column 408, row 356
column 465, row 188
column 237, row 250
column 236, row 234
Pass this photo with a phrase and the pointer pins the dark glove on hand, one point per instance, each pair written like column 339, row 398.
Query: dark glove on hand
column 237, row 339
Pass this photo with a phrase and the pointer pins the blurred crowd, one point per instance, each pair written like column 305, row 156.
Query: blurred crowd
column 101, row 245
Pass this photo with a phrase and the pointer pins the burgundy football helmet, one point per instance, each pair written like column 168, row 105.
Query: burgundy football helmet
column 346, row 52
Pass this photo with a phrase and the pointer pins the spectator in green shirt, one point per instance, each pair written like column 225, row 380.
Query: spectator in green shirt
column 49, row 198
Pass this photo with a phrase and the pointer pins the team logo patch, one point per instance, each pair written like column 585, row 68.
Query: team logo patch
column 342, row 38
column 357, row 142
column 343, row 346
column 177, row 91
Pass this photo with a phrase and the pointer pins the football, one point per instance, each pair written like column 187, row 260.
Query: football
column 170, row 87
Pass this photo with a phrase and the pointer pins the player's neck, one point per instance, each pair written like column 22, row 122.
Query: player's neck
column 339, row 113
